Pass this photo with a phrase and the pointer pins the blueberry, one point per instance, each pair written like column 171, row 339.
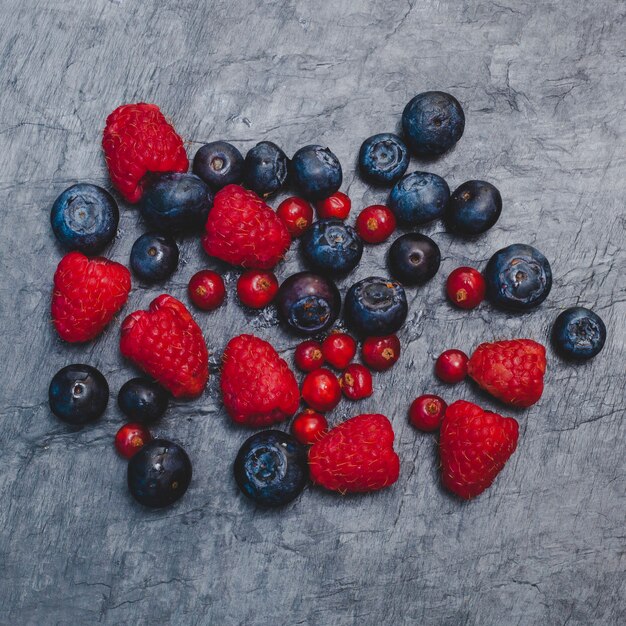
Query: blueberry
column 159, row 474
column 78, row 394
column 432, row 122
column 375, row 307
column 518, row 277
column 578, row 333
column 176, row 202
column 473, row 208
column 154, row 257
column 218, row 164
column 266, row 168
column 414, row 259
column 418, row 198
column 332, row 247
column 142, row 400
column 308, row 303
column 316, row 172
column 383, row 158
column 85, row 218
column 271, row 468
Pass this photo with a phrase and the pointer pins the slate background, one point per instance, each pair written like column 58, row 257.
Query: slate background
column 542, row 84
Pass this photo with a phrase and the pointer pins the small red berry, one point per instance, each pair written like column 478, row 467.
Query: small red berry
column 375, row 223
column 321, row 390
column 130, row 438
column 207, row 290
column 356, row 382
column 257, row 288
column 337, row 206
column 426, row 412
column 466, row 287
column 380, row 353
column 297, row 215
column 338, row 350
column 309, row 426
column 451, row 366
column 308, row 356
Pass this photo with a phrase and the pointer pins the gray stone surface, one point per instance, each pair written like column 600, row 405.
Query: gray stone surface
column 543, row 85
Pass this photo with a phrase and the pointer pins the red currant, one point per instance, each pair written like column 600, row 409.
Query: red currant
column 207, row 290
column 356, row 382
column 130, row 438
column 375, row 223
column 466, row 287
column 257, row 288
column 451, row 366
column 309, row 426
column 308, row 356
column 338, row 350
column 380, row 353
column 321, row 390
column 337, row 206
column 297, row 215
column 426, row 412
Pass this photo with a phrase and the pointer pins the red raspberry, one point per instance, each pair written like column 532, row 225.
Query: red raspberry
column 242, row 230
column 167, row 344
column 337, row 206
column 338, row 350
column 321, row 390
column 451, row 366
column 356, row 456
column 380, row 353
column 426, row 412
column 87, row 294
column 466, row 287
column 356, row 382
column 511, row 371
column 474, row 446
column 308, row 427
column 375, row 223
column 207, row 290
column 256, row 288
column 308, row 356
column 258, row 387
column 297, row 215
column 138, row 139
column 130, row 438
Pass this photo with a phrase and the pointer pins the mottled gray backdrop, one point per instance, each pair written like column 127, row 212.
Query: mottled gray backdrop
column 543, row 87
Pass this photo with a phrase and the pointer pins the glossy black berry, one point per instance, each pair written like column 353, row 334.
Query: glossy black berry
column 383, row 159
column 316, row 172
column 271, row 468
column 418, row 198
column 142, row 400
column 473, row 208
column 218, row 164
column 266, row 168
column 332, row 247
column 578, row 333
column 78, row 394
column 413, row 259
column 154, row 257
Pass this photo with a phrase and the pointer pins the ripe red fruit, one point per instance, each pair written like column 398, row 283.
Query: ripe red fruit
column 321, row 390
column 451, row 366
column 130, row 438
column 87, row 294
column 356, row 456
column 308, row 356
column 426, row 412
column 474, row 446
column 309, row 426
column 356, row 382
column 138, row 139
column 207, row 290
column 297, row 215
column 257, row 288
column 338, row 350
column 510, row 370
column 375, row 223
column 337, row 206
column 466, row 287
column 380, row 353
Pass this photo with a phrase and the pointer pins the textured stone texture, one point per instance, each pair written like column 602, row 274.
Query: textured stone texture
column 542, row 84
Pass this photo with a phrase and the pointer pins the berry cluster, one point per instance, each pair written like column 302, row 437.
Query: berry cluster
column 226, row 197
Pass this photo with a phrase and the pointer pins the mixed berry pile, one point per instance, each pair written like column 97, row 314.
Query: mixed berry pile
column 225, row 200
